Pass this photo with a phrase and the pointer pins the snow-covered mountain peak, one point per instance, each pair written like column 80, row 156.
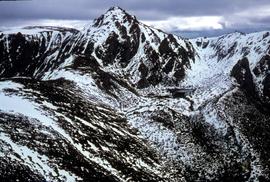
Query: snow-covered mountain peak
column 145, row 55
column 113, row 23
column 113, row 17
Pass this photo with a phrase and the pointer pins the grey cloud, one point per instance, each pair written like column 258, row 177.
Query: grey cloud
column 18, row 12
column 144, row 9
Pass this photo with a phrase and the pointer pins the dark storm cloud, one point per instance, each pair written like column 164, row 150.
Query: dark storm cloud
column 151, row 10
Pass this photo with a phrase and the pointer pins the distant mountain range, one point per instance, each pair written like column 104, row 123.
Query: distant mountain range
column 192, row 34
column 122, row 101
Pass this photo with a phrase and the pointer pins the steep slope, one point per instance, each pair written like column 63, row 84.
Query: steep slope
column 52, row 131
column 123, row 101
column 242, row 56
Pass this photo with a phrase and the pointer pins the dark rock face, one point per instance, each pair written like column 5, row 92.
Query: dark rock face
column 241, row 72
column 262, row 70
column 170, row 57
column 20, row 55
column 24, row 55
column 262, row 66
column 110, row 49
column 143, row 83
column 266, row 88
column 168, row 54
column 150, row 75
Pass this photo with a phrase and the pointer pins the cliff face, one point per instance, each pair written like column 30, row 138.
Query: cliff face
column 122, row 101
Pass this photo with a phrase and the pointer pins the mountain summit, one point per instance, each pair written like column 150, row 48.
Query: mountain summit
column 114, row 15
column 121, row 101
column 148, row 55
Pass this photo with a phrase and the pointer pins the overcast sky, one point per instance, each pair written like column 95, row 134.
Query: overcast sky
column 187, row 16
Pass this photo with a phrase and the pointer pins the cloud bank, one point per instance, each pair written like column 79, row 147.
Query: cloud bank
column 171, row 15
